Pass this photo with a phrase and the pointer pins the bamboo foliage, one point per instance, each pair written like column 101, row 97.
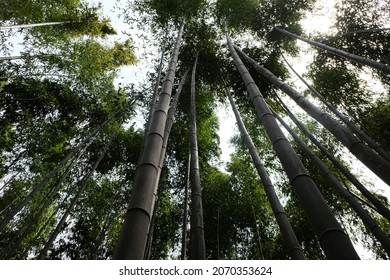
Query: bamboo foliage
column 132, row 239
column 334, row 241
column 294, row 249
column 366, row 155
column 38, row 211
column 52, row 173
column 75, row 199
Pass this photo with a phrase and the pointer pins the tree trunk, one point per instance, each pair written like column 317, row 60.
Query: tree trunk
column 350, row 124
column 20, row 26
column 171, row 118
column 153, row 102
column 294, row 249
column 368, row 157
column 31, row 195
column 149, row 242
column 359, row 59
column 168, row 127
column 61, row 223
column 334, row 241
column 360, row 211
column 25, row 56
column 185, row 212
column 197, row 241
column 132, row 239
column 380, row 208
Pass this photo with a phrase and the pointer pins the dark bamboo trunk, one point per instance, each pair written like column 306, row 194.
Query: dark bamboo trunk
column 171, row 118
column 153, row 102
column 380, row 208
column 185, row 212
column 197, row 241
column 356, row 206
column 368, row 157
column 168, row 127
column 362, row 135
column 294, row 249
column 149, row 242
column 334, row 241
column 353, row 57
column 132, row 239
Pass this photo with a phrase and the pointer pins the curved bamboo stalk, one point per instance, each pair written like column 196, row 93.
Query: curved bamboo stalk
column 359, row 59
column 342, row 117
column 294, row 249
column 132, row 239
column 367, row 156
column 334, row 241
column 363, row 214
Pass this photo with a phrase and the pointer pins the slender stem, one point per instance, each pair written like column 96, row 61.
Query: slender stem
column 359, row 59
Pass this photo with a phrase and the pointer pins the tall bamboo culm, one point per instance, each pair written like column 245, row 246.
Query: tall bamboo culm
column 132, row 240
column 366, row 155
column 294, row 249
column 368, row 221
column 197, row 241
column 168, row 127
column 334, row 241
column 361, row 134
column 378, row 206
column 353, row 57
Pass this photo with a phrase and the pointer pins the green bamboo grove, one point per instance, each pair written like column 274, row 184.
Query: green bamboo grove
column 80, row 178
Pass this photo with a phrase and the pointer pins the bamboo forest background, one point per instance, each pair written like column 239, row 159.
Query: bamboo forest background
column 95, row 166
